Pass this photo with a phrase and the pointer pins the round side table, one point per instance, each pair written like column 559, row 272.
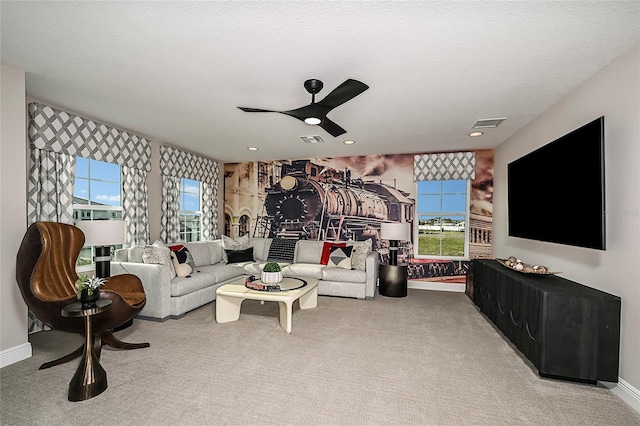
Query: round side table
column 90, row 378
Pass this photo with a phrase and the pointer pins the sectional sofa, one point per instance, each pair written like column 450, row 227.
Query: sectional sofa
column 170, row 296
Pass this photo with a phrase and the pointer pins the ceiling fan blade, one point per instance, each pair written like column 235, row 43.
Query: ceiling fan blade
column 256, row 110
column 341, row 94
column 332, row 128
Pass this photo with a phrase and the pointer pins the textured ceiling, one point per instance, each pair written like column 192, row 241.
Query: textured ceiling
column 176, row 71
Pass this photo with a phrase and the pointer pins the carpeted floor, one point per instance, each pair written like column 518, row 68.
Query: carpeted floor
column 430, row 358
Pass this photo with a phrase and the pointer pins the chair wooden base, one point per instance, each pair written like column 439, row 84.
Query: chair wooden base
column 107, row 337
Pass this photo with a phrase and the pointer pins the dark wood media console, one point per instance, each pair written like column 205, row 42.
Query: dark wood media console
column 567, row 330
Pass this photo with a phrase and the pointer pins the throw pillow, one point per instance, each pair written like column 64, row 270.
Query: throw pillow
column 182, row 269
column 340, row 257
column 282, row 250
column 183, row 255
column 361, row 249
column 326, row 250
column 159, row 254
column 237, row 256
column 237, row 244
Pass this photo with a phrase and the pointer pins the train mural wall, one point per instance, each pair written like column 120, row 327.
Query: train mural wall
column 345, row 198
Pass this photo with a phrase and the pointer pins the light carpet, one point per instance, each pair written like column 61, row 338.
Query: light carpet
column 430, row 359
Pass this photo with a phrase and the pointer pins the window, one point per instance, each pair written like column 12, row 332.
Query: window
column 96, row 196
column 189, row 210
column 244, row 225
column 442, row 218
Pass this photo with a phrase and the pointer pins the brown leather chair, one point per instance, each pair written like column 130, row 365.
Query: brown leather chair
column 46, row 274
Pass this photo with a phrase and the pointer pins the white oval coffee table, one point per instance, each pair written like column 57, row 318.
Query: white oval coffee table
column 230, row 296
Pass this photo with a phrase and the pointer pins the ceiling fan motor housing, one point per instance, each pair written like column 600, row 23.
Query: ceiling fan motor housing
column 313, row 86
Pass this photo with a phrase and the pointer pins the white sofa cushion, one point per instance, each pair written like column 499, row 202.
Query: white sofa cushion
column 215, row 251
column 260, row 248
column 344, row 275
column 199, row 251
column 196, row 281
column 222, row 272
column 312, row 270
column 308, row 251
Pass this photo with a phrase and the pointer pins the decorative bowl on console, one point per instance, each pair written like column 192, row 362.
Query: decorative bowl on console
column 518, row 265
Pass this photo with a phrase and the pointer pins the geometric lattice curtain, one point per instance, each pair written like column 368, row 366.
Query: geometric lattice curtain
column 50, row 187
column 444, row 166
column 135, row 206
column 178, row 164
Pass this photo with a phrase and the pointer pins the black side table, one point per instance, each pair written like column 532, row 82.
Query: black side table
column 90, row 378
column 393, row 280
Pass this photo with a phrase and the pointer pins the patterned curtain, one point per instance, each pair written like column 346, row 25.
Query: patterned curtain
column 135, row 210
column 209, row 212
column 445, row 166
column 177, row 164
column 51, row 187
column 170, row 223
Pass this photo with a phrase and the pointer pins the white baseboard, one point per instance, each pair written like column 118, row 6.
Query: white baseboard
column 625, row 392
column 432, row 285
column 15, row 354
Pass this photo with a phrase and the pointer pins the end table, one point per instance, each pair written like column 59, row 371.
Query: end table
column 393, row 280
column 90, row 378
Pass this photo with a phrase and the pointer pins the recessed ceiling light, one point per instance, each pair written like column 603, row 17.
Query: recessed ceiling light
column 312, row 121
column 474, row 134
column 252, row 148
column 349, row 142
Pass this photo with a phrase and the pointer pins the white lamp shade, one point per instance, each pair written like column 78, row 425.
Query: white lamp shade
column 102, row 232
column 394, row 231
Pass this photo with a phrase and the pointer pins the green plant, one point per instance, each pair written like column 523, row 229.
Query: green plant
column 90, row 284
column 271, row 267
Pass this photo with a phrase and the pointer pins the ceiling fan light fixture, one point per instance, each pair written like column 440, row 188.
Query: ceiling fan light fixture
column 349, row 142
column 252, row 148
column 475, row 134
column 312, row 121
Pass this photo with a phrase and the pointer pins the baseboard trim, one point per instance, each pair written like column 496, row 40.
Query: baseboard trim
column 15, row 354
column 625, row 392
column 432, row 285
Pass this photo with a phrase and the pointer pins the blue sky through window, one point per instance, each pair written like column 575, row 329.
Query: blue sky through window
column 97, row 181
column 448, row 196
column 189, row 195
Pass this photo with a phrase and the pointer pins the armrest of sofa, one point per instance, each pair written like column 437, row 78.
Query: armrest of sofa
column 156, row 280
column 372, row 265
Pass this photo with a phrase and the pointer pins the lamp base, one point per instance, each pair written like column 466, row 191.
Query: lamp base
column 103, row 261
column 393, row 252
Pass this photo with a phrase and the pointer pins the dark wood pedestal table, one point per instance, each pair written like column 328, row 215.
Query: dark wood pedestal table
column 393, row 280
column 90, row 379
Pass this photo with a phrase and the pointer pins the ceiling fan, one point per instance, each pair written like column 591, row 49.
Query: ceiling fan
column 316, row 113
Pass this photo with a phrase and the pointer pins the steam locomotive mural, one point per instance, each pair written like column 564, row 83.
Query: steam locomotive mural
column 321, row 203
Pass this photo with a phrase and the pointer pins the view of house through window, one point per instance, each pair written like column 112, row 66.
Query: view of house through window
column 96, row 196
column 441, row 217
column 189, row 210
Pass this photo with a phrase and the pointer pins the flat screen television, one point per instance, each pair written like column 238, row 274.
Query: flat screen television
column 557, row 192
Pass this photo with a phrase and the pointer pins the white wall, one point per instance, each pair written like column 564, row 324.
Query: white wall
column 615, row 94
column 14, row 345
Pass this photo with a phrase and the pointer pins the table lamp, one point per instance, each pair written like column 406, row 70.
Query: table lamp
column 394, row 232
column 102, row 234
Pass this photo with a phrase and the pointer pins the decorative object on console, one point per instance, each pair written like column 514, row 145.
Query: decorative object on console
column 102, row 234
column 271, row 273
column 394, row 232
column 340, row 257
column 518, row 265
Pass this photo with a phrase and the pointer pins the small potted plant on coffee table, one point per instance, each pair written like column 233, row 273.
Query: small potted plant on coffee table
column 271, row 273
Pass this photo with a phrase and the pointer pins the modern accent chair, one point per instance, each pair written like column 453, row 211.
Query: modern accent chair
column 46, row 275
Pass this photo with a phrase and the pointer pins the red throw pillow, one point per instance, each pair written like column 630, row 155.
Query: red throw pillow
column 326, row 251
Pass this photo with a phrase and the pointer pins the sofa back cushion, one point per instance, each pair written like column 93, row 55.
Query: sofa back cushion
column 308, row 251
column 215, row 251
column 132, row 254
column 200, row 252
column 260, row 247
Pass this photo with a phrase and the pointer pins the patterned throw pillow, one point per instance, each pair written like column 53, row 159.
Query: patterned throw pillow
column 183, row 255
column 282, row 250
column 183, row 270
column 361, row 249
column 326, row 250
column 159, row 254
column 340, row 257
column 237, row 244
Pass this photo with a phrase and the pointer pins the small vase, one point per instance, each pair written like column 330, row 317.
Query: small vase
column 87, row 300
column 271, row 277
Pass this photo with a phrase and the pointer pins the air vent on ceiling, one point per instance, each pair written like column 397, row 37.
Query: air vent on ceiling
column 488, row 123
column 312, row 139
